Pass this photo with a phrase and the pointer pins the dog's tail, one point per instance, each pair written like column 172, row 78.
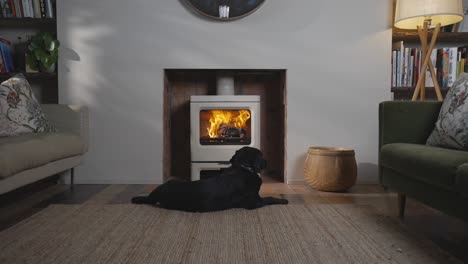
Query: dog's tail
column 152, row 198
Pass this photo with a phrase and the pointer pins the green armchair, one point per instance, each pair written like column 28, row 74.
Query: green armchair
column 435, row 176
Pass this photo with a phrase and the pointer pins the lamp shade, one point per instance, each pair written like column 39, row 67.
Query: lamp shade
column 409, row 14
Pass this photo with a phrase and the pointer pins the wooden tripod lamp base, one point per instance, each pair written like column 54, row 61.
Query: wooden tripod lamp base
column 420, row 89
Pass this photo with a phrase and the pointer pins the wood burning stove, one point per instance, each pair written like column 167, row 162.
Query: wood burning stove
column 221, row 124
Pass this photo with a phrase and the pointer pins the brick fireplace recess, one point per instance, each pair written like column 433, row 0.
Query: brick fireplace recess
column 209, row 114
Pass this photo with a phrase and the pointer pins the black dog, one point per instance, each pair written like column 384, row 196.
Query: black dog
column 234, row 187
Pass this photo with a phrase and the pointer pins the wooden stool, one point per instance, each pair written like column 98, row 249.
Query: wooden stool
column 330, row 169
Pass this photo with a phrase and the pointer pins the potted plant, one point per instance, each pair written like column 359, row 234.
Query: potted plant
column 42, row 52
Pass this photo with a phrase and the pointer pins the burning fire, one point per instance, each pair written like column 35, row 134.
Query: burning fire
column 223, row 122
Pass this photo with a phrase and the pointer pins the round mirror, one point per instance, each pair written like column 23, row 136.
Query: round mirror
column 225, row 9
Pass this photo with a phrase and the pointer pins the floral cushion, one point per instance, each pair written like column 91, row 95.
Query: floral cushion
column 20, row 113
column 451, row 128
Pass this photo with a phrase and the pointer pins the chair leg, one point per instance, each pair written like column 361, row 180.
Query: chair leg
column 72, row 177
column 401, row 204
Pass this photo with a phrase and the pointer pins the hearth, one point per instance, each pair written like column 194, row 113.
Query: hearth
column 264, row 101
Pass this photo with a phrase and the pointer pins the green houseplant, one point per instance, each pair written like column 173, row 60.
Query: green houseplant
column 42, row 52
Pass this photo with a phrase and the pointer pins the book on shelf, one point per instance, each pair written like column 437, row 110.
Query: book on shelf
column 449, row 63
column 7, row 56
column 2, row 64
column 394, row 63
column 37, row 8
column 452, row 66
column 5, row 8
column 31, row 9
column 443, row 66
column 29, row 5
column 24, row 7
column 49, row 9
column 399, row 48
column 405, row 67
column 27, row 8
column 461, row 66
column 410, row 66
column 18, row 8
column 417, row 66
column 12, row 6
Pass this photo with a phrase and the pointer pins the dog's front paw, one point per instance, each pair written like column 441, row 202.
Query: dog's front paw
column 283, row 201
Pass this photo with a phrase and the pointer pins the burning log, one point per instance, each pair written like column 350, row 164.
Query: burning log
column 227, row 131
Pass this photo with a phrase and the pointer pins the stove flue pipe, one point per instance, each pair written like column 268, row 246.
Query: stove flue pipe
column 225, row 83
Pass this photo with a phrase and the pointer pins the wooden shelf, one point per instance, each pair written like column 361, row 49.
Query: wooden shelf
column 406, row 93
column 411, row 89
column 27, row 21
column 412, row 36
column 30, row 75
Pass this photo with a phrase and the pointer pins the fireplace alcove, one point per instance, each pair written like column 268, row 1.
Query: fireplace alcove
column 180, row 84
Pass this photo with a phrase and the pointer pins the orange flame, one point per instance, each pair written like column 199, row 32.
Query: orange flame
column 233, row 118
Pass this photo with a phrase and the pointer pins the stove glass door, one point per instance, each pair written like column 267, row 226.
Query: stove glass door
column 225, row 127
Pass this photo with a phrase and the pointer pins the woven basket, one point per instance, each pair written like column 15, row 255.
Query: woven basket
column 330, row 169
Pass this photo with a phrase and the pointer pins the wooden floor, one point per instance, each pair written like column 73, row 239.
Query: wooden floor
column 448, row 233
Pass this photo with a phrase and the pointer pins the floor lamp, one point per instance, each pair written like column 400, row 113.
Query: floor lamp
column 426, row 16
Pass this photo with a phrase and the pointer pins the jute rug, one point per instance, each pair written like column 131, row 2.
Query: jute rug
column 275, row 234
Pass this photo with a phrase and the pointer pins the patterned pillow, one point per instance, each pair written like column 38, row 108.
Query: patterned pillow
column 451, row 128
column 20, row 113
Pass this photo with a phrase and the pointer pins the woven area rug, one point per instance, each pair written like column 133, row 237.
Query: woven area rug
column 275, row 234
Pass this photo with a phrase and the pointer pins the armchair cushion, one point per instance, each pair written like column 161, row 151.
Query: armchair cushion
column 451, row 128
column 433, row 165
column 20, row 113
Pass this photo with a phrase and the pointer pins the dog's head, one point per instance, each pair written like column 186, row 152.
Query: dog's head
column 249, row 158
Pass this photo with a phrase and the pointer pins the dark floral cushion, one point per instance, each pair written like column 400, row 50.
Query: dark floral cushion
column 451, row 128
column 20, row 113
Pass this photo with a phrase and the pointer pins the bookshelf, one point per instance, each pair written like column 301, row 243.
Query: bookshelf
column 30, row 75
column 411, row 38
column 27, row 21
column 45, row 85
column 406, row 93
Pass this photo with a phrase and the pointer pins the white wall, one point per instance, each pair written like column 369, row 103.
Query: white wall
column 336, row 52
